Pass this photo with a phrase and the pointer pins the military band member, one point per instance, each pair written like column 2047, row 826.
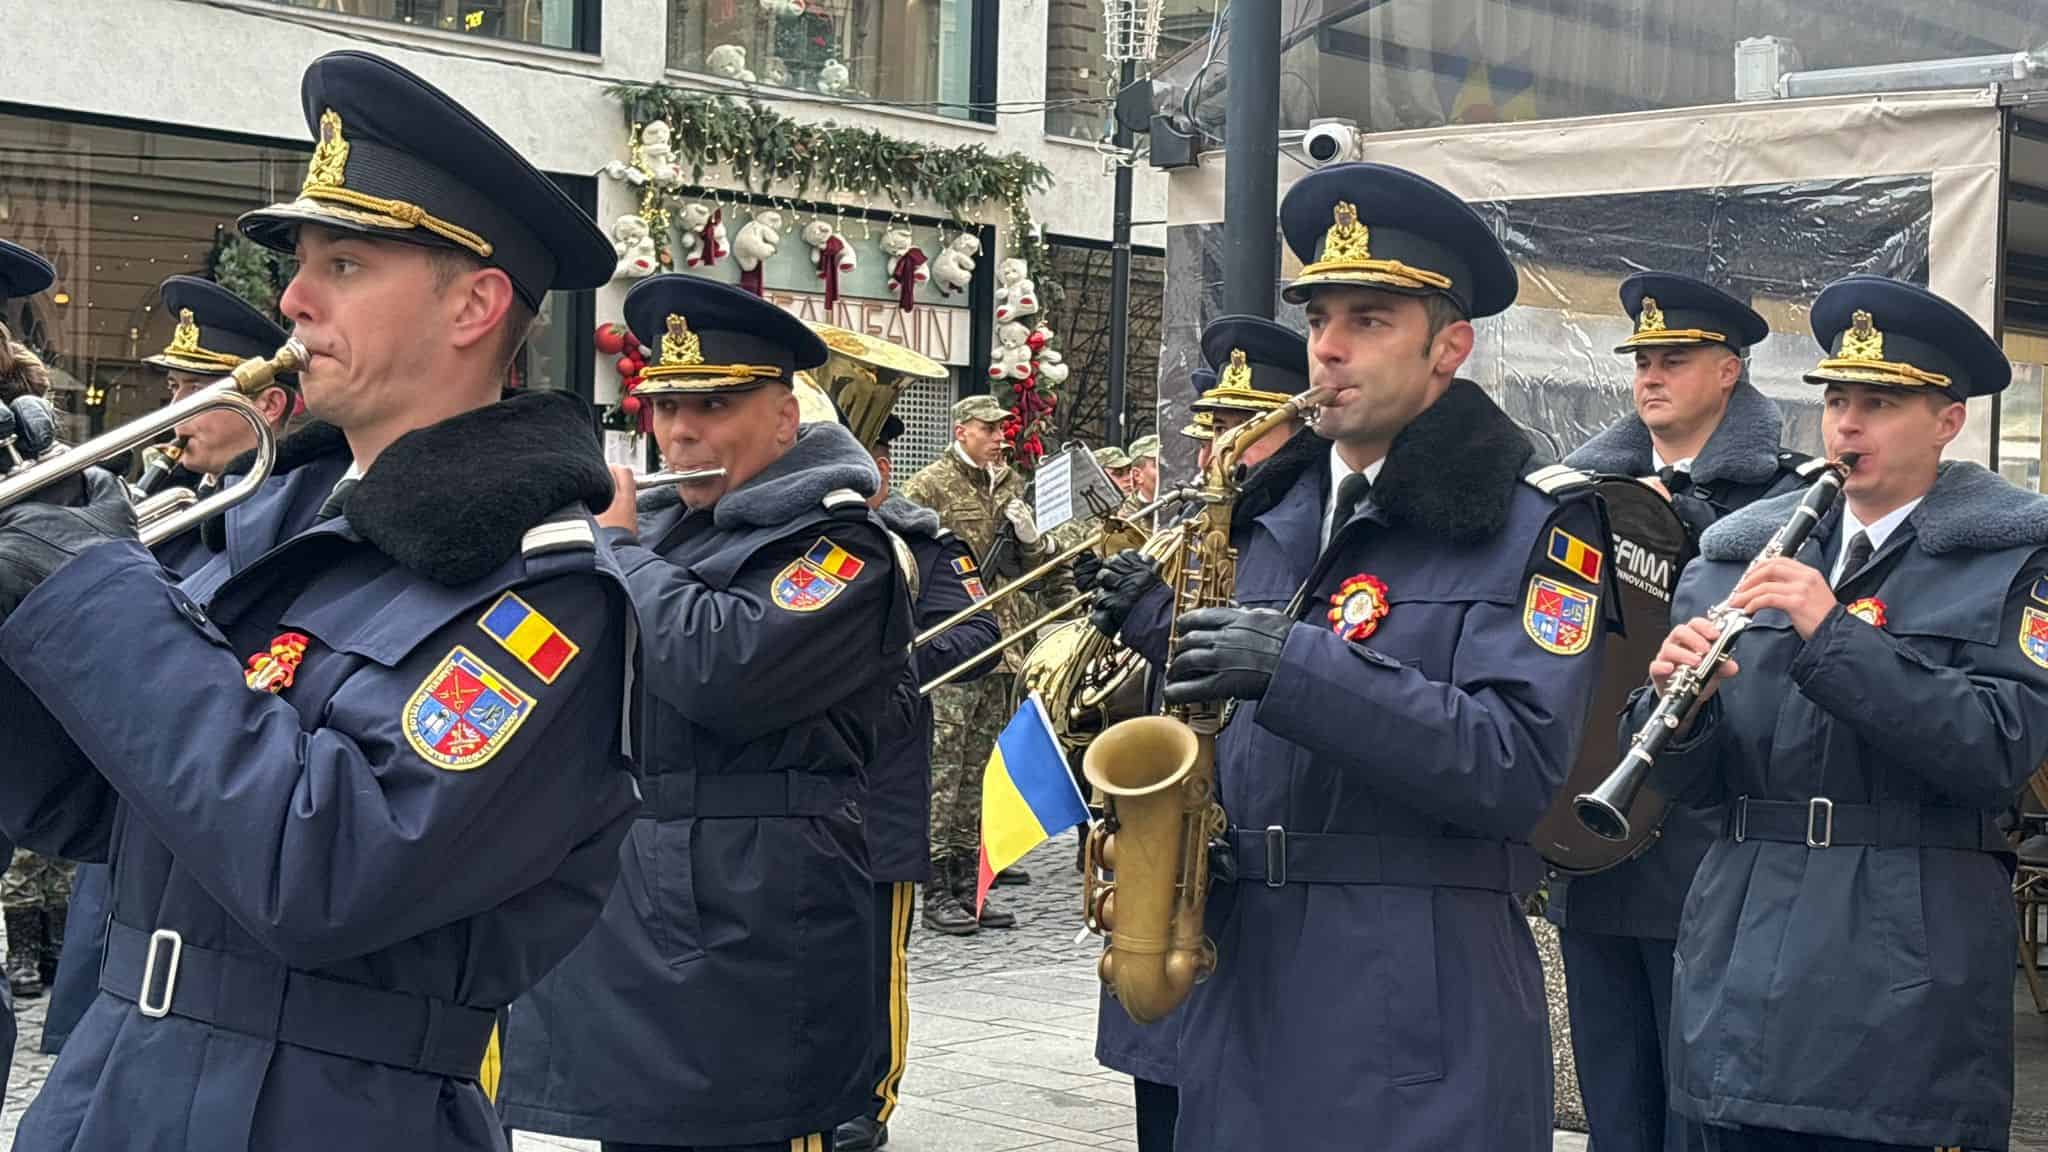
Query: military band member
column 1711, row 439
column 723, row 999
column 22, row 274
column 376, row 784
column 1265, row 364
column 1844, row 962
column 1143, row 477
column 215, row 330
column 1116, row 465
column 982, row 501
column 1405, row 719
column 896, row 812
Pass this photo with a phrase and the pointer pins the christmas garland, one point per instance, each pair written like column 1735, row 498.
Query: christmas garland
column 764, row 148
column 768, row 153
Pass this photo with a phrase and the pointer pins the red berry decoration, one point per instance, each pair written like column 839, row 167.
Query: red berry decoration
column 611, row 339
column 631, row 405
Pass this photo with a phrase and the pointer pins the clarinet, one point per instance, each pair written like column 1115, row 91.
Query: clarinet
column 1604, row 810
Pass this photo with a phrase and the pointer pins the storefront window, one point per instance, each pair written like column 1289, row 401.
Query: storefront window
column 552, row 23
column 914, row 53
column 1401, row 64
column 1077, row 76
column 118, row 210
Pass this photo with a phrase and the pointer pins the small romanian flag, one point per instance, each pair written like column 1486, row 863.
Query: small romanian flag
column 834, row 560
column 528, row 635
column 1577, row 556
column 1027, row 794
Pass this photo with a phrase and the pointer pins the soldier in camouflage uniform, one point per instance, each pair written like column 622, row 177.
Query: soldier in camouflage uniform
column 1143, row 482
column 35, row 892
column 981, row 501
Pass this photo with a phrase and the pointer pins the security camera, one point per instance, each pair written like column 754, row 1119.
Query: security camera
column 1329, row 141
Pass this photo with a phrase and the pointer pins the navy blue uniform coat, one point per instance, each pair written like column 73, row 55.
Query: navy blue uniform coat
column 725, row 995
column 1152, row 1051
column 1408, row 1012
column 1740, row 464
column 897, row 811
column 1863, row 991
column 306, row 854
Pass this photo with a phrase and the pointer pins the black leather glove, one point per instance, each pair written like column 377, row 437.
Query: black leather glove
column 1226, row 654
column 1124, row 578
column 37, row 538
column 1087, row 569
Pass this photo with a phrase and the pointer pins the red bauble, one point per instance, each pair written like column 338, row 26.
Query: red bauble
column 1035, row 341
column 611, row 339
column 630, row 405
column 628, row 365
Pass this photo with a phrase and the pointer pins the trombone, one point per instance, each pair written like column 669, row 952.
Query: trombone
column 1079, row 600
column 170, row 513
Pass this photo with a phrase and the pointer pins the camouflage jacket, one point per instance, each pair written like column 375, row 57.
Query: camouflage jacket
column 970, row 502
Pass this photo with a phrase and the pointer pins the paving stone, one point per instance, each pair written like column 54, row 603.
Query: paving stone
column 1066, row 1109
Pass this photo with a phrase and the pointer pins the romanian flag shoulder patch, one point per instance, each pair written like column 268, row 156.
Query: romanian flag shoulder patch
column 963, row 565
column 1575, row 555
column 530, row 637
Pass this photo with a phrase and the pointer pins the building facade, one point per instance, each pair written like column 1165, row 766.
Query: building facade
column 130, row 162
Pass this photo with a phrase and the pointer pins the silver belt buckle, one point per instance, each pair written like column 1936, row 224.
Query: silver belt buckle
column 162, row 1008
column 1276, row 856
column 1820, row 810
column 1741, row 818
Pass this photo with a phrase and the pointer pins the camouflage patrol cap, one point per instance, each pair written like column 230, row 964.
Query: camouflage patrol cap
column 983, row 407
column 1144, row 447
column 1112, row 457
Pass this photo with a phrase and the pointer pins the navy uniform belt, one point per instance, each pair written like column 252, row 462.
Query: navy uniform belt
column 1822, row 823
column 736, row 796
column 1278, row 857
column 164, row 976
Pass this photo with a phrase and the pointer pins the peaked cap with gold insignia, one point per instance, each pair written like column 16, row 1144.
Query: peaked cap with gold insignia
column 397, row 159
column 713, row 337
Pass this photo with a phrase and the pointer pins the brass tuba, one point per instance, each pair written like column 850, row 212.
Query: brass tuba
column 1157, row 779
column 1086, row 680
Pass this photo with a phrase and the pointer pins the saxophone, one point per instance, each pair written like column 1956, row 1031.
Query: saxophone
column 1156, row 776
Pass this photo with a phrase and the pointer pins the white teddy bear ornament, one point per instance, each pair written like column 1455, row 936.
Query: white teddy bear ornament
column 953, row 268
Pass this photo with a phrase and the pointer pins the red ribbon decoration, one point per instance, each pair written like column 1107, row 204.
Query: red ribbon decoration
column 905, row 282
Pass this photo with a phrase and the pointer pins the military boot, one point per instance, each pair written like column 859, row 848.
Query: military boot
column 53, row 941
column 993, row 915
column 942, row 910
column 860, row 1134
column 24, row 952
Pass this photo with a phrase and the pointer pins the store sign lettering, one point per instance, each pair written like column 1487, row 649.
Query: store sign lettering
column 944, row 334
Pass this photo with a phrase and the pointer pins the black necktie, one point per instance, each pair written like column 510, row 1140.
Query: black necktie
column 1350, row 494
column 1676, row 480
column 333, row 505
column 1857, row 556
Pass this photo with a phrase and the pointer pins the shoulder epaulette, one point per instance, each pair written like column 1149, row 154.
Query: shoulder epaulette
column 844, row 498
column 1810, row 468
column 1557, row 479
column 565, row 531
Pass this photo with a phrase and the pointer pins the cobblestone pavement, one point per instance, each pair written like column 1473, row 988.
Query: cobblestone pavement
column 1002, row 1054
